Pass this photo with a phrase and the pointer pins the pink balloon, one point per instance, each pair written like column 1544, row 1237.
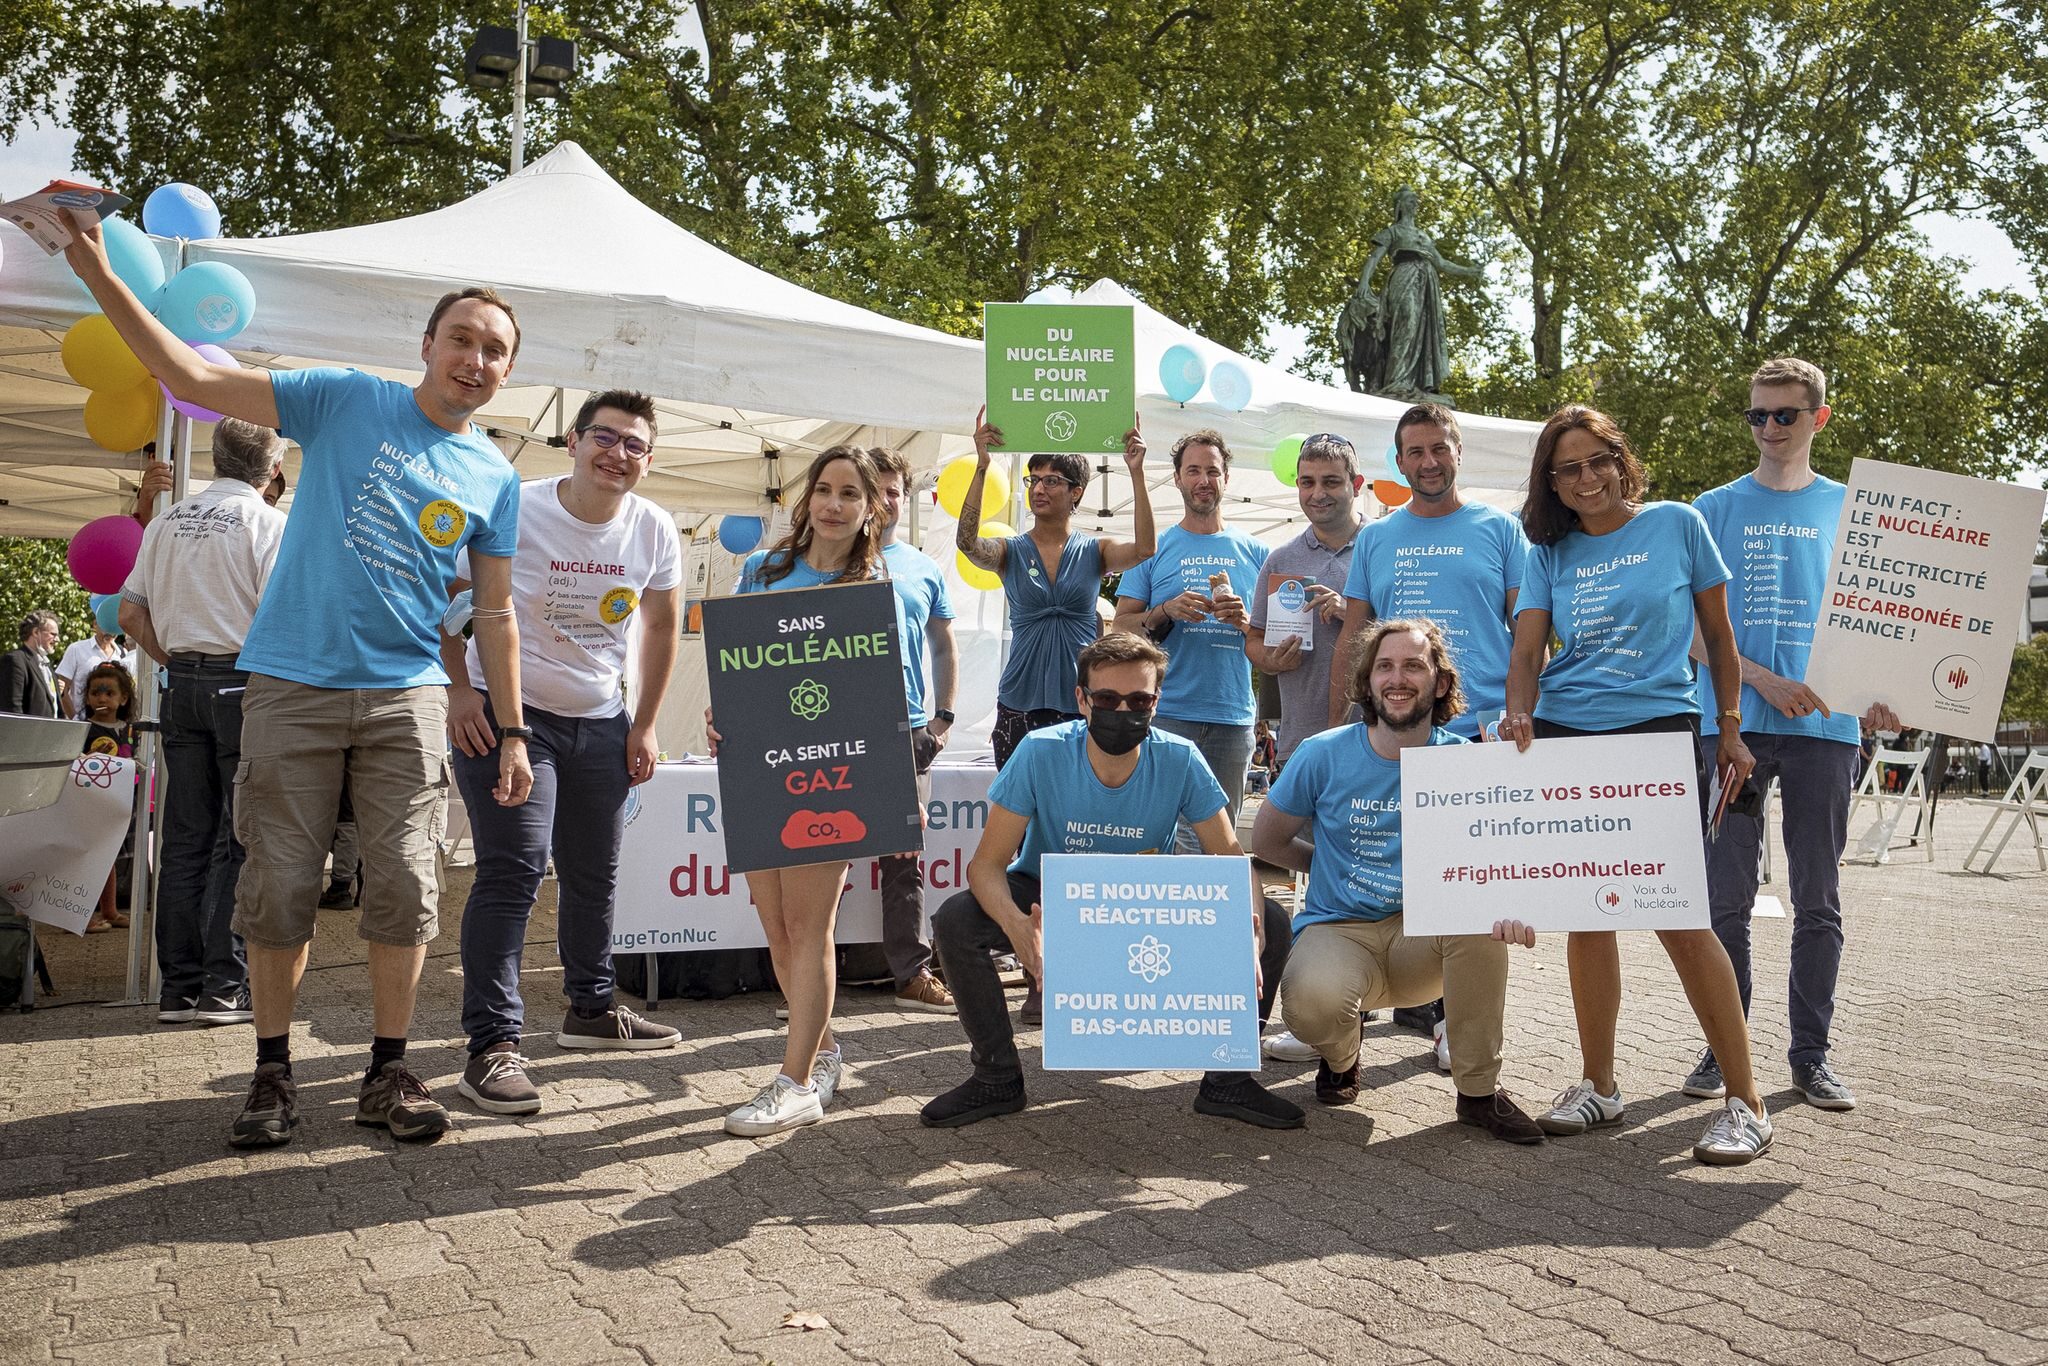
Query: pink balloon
column 103, row 552
column 218, row 356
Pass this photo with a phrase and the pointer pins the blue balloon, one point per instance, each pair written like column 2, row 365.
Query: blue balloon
column 134, row 258
column 1181, row 373
column 179, row 210
column 1394, row 464
column 1230, row 386
column 208, row 302
column 106, row 610
column 739, row 534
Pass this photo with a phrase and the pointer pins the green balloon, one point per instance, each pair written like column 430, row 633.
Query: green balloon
column 1286, row 455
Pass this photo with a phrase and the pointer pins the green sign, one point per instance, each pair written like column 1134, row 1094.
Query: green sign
column 1061, row 377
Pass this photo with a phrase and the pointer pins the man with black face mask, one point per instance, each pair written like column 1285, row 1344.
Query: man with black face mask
column 1109, row 783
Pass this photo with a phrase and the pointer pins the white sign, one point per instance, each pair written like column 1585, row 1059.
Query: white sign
column 54, row 860
column 1925, row 597
column 1593, row 833
column 1288, row 612
column 676, row 892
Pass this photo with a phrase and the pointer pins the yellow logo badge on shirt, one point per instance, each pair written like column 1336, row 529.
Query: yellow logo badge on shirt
column 617, row 604
column 441, row 522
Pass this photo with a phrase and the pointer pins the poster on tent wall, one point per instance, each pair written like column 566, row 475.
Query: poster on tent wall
column 54, row 860
column 1925, row 594
column 1062, row 378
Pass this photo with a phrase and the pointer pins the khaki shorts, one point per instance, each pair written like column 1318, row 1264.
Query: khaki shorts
column 296, row 743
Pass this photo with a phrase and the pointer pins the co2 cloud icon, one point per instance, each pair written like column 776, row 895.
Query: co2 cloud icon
column 813, row 829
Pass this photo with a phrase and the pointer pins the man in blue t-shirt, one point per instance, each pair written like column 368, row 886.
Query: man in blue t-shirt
column 927, row 612
column 1190, row 597
column 1109, row 783
column 1776, row 529
column 344, row 660
column 1344, row 788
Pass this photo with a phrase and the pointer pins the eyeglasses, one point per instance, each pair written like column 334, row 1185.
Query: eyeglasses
column 606, row 438
column 1784, row 417
column 1054, row 482
column 1102, row 699
column 1601, row 465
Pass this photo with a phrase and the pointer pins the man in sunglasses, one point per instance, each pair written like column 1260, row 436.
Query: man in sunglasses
column 1109, row 783
column 596, row 563
column 1776, row 529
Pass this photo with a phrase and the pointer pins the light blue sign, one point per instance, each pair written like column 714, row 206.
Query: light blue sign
column 1150, row 963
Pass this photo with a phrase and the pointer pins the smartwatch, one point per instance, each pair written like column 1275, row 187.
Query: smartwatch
column 516, row 732
column 943, row 715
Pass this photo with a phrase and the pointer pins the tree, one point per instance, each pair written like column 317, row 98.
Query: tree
column 2026, row 691
column 33, row 575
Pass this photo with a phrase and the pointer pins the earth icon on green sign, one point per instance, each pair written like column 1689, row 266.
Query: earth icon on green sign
column 1060, row 426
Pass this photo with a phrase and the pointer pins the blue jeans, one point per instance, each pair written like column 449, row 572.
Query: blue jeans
column 1228, row 750
column 577, row 812
column 196, row 950
column 1816, row 778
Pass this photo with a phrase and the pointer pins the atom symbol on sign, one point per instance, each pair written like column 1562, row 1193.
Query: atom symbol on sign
column 92, row 770
column 809, row 699
column 1148, row 958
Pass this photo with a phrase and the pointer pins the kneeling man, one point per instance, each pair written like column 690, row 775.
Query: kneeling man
column 1351, row 953
column 1108, row 783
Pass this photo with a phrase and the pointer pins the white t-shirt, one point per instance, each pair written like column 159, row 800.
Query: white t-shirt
column 81, row 659
column 576, row 588
column 203, row 565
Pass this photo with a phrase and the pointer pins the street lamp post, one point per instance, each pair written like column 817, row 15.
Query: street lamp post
column 534, row 68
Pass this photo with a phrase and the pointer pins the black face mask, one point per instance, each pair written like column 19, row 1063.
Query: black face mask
column 1118, row 732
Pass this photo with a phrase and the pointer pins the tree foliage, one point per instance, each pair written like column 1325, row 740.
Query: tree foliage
column 33, row 575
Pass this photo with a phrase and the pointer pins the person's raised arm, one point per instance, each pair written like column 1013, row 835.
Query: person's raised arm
column 986, row 551
column 1118, row 556
column 1525, row 662
column 988, row 877
column 496, row 632
column 188, row 375
column 658, row 619
column 1358, row 615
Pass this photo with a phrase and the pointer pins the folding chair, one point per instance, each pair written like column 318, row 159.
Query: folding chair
column 2025, row 800
column 1891, row 807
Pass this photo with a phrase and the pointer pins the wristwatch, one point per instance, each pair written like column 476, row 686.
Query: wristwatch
column 943, row 715
column 1724, row 715
column 516, row 732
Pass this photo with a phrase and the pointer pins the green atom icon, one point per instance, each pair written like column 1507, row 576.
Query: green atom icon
column 809, row 699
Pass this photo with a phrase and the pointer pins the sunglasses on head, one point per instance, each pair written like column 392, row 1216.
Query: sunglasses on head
column 1102, row 699
column 1327, row 439
column 606, row 438
column 1784, row 417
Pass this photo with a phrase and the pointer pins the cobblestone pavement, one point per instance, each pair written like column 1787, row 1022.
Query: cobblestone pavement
column 1106, row 1224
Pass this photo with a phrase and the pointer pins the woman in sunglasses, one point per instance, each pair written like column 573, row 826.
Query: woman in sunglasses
column 1622, row 584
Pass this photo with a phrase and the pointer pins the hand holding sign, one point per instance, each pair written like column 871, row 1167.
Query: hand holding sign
column 1134, row 448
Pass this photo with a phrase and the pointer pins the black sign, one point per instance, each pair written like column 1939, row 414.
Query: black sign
column 814, row 761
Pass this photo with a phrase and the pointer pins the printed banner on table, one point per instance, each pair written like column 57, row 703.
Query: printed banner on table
column 1594, row 833
column 807, row 695
column 1925, row 597
column 1061, row 377
column 1150, row 962
column 54, row 860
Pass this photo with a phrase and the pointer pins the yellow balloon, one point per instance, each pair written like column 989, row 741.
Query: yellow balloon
column 124, row 419
column 958, row 474
column 973, row 575
column 998, row 531
column 96, row 357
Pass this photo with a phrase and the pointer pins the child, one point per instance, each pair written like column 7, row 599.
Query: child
column 109, row 714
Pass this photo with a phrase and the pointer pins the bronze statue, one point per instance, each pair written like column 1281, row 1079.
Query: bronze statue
column 1393, row 342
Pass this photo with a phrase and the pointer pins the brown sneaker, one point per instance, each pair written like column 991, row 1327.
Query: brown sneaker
column 926, row 992
column 272, row 1110
column 1336, row 1088
column 397, row 1100
column 1500, row 1116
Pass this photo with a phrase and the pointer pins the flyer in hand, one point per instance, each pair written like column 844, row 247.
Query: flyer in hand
column 41, row 215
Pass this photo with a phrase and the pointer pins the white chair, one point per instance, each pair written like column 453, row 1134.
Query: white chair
column 2025, row 801
column 1892, row 807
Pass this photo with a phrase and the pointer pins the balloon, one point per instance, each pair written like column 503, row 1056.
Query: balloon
column 106, row 611
column 122, row 419
column 973, row 575
column 103, row 552
column 134, row 258
column 739, row 534
column 1394, row 475
column 1181, row 373
column 1286, row 455
column 207, row 351
column 958, row 474
column 208, row 302
column 997, row 531
column 1230, row 386
column 95, row 356
column 1390, row 493
column 179, row 210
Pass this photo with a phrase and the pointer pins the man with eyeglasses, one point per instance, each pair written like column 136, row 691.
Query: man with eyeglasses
column 1109, row 783
column 596, row 563
column 1776, row 529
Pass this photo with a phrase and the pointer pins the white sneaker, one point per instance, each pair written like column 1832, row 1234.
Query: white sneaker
column 1581, row 1107
column 1284, row 1047
column 781, row 1105
column 1734, row 1136
column 826, row 1074
column 782, row 1012
column 1443, row 1048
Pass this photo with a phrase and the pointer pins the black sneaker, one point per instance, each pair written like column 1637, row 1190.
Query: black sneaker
column 225, row 1010
column 271, row 1111
column 176, row 1010
column 496, row 1080
column 616, row 1028
column 341, row 894
column 1500, row 1116
column 1705, row 1080
column 1421, row 1019
column 1336, row 1088
column 972, row 1100
column 397, row 1100
column 1241, row 1097
column 1032, row 1012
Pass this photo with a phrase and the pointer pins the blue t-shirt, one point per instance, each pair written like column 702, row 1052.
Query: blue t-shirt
column 385, row 501
column 1354, row 796
column 1621, row 605
column 920, row 596
column 1208, row 676
column 1457, row 570
column 1778, row 545
column 1052, row 619
column 1050, row 783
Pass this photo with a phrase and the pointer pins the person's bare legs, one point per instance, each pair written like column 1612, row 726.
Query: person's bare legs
column 1709, row 981
column 394, row 986
column 1594, row 961
column 797, row 907
column 274, row 976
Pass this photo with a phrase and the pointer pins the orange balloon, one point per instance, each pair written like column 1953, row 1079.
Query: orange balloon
column 1390, row 493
